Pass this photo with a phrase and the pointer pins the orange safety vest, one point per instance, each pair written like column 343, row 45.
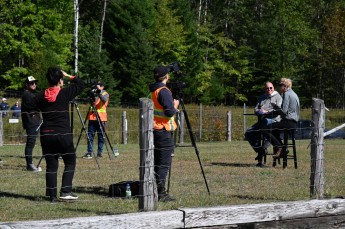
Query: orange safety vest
column 101, row 110
column 160, row 120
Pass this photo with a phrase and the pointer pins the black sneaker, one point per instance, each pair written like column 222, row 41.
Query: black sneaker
column 260, row 165
column 87, row 156
column 33, row 168
column 53, row 200
column 68, row 196
column 99, row 155
column 165, row 198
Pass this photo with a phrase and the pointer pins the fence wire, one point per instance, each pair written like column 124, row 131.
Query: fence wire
column 229, row 168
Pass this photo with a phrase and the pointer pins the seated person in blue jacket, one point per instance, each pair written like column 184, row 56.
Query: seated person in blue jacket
column 16, row 110
column 262, row 109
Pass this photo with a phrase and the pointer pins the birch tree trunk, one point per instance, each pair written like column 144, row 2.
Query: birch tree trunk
column 102, row 24
column 76, row 27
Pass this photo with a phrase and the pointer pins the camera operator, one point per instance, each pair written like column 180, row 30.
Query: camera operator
column 31, row 121
column 56, row 135
column 100, row 101
column 165, row 107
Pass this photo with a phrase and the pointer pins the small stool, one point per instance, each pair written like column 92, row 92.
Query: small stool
column 289, row 134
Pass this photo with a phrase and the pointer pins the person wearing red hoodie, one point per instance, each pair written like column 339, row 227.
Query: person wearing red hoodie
column 55, row 132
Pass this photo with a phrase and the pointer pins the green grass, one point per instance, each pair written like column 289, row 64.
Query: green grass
column 229, row 169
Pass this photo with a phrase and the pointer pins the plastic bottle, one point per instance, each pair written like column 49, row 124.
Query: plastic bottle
column 128, row 191
column 116, row 152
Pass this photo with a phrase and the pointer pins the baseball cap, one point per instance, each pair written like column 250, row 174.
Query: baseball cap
column 31, row 79
column 100, row 83
column 160, row 71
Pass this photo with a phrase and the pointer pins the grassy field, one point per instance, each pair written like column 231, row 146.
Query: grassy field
column 229, row 168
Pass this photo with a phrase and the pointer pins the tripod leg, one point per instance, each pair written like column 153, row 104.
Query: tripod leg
column 172, row 155
column 87, row 135
column 193, row 142
column 104, row 134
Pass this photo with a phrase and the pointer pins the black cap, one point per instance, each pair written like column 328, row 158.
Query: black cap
column 159, row 72
column 100, row 83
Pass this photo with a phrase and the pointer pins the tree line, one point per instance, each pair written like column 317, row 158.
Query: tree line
column 226, row 49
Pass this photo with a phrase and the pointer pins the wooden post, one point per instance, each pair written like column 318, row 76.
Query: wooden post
column 1, row 130
column 148, row 196
column 244, row 119
column 200, row 123
column 228, row 132
column 317, row 150
column 181, row 137
column 124, row 128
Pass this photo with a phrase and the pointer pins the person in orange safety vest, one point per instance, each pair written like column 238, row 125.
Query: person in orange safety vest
column 165, row 108
column 101, row 101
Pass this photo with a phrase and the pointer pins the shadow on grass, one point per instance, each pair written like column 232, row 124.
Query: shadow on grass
column 233, row 164
column 92, row 190
column 15, row 195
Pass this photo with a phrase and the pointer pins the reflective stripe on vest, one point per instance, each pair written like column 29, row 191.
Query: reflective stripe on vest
column 160, row 119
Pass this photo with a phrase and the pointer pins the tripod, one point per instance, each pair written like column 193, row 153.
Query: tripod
column 192, row 138
column 101, row 127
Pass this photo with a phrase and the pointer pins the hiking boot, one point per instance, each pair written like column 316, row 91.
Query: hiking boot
column 165, row 198
column 33, row 168
column 260, row 165
column 99, row 155
column 68, row 196
column 87, row 156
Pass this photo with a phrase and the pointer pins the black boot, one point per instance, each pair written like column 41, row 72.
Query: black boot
column 163, row 196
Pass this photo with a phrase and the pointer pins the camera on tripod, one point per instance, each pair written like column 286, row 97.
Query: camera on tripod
column 175, row 85
column 94, row 92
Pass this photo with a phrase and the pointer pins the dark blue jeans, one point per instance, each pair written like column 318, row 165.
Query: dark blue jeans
column 253, row 134
column 164, row 147
column 94, row 128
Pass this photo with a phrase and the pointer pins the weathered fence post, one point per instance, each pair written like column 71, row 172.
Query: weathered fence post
column 244, row 119
column 124, row 128
column 228, row 120
column 1, row 130
column 181, row 137
column 148, row 196
column 200, row 122
column 317, row 150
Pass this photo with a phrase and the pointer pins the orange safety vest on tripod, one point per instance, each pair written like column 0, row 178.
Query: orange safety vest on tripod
column 160, row 120
column 101, row 108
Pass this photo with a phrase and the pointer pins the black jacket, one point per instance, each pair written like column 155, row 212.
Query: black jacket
column 55, row 112
column 30, row 114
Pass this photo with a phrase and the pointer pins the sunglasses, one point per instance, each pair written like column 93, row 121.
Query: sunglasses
column 281, row 85
column 32, row 83
column 269, row 88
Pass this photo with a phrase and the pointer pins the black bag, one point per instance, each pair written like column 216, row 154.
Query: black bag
column 119, row 189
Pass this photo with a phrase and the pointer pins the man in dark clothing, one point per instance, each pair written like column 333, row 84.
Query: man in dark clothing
column 31, row 121
column 165, row 108
column 56, row 135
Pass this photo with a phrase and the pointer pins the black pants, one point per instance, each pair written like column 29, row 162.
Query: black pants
column 30, row 143
column 54, row 146
column 164, row 147
column 272, row 131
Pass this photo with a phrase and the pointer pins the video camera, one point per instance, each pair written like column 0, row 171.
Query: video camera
column 94, row 92
column 175, row 85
